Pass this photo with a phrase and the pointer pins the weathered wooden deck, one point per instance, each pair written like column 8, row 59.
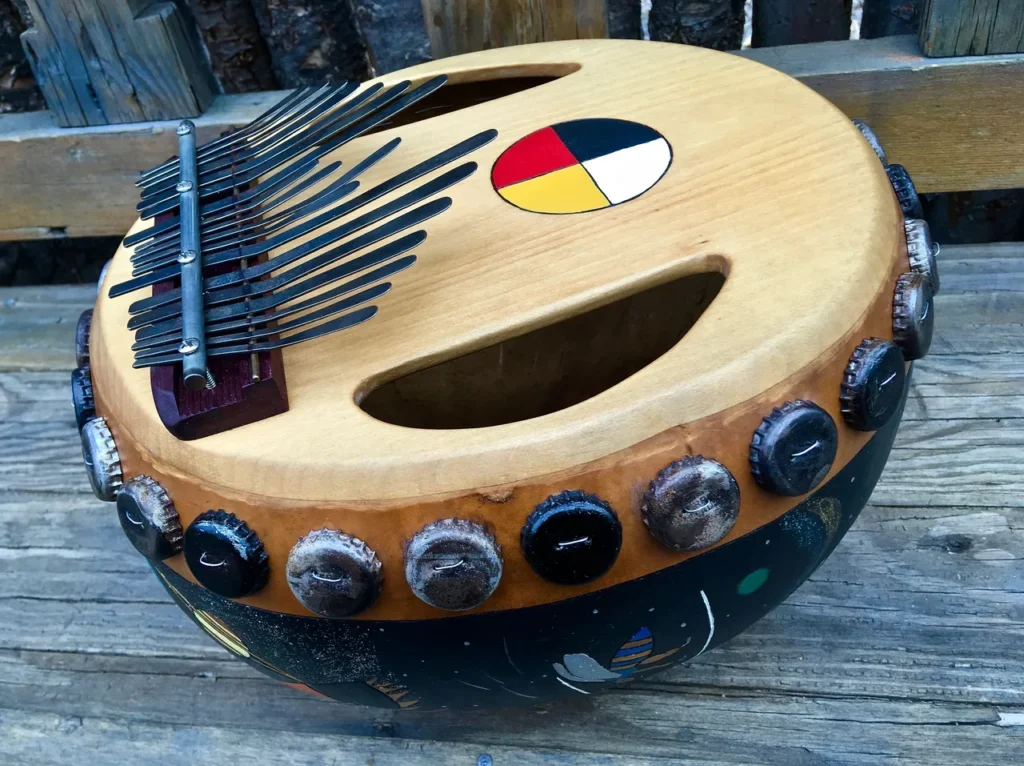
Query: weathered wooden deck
column 906, row 647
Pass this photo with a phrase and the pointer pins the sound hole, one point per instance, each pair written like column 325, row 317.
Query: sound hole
column 550, row 368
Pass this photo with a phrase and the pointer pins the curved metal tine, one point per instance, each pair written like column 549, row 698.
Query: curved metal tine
column 283, row 130
column 231, row 237
column 225, row 208
column 167, row 244
column 224, row 144
column 259, row 311
column 328, row 237
column 341, row 323
column 252, row 334
column 323, row 129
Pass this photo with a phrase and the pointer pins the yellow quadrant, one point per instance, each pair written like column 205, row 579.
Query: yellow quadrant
column 569, row 190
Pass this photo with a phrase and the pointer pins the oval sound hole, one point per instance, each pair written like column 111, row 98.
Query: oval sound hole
column 550, row 368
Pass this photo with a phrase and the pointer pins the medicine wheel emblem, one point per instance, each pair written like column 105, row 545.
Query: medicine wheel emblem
column 581, row 165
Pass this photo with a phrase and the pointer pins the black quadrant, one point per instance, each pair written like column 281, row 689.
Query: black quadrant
column 591, row 138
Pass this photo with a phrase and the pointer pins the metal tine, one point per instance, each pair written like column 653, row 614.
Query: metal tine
column 252, row 334
column 289, row 279
column 355, row 109
column 251, row 311
column 228, row 234
column 226, row 143
column 356, row 170
column 350, row 128
column 283, row 130
column 229, row 205
column 343, row 322
column 328, row 237
column 236, row 221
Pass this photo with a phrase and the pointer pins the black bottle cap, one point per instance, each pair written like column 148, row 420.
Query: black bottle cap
column 571, row 538
column 225, row 555
column 81, row 396
column 148, row 518
column 82, row 338
column 333, row 574
column 793, row 448
column 872, row 384
column 453, row 564
column 692, row 504
column 913, row 315
column 906, row 193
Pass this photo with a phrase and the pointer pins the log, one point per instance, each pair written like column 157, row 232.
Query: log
column 717, row 24
column 238, row 54
column 311, row 41
column 463, row 26
column 787, row 22
column 957, row 28
column 116, row 61
column 394, row 32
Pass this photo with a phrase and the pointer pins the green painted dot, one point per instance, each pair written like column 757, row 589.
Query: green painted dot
column 752, row 581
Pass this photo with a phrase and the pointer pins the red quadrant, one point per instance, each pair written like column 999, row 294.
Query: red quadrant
column 533, row 155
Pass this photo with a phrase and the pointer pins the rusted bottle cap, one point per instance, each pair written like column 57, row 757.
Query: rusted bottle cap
column 225, row 555
column 82, row 338
column 81, row 396
column 793, row 448
column 453, row 564
column 871, row 138
column 905, row 190
column 922, row 252
column 872, row 384
column 913, row 315
column 333, row 574
column 692, row 504
column 571, row 538
column 148, row 518
column 101, row 459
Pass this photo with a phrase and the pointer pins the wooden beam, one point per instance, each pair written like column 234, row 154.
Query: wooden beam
column 464, row 26
column 955, row 123
column 958, row 28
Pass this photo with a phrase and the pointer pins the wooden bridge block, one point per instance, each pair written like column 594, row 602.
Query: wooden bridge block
column 109, row 61
column 977, row 28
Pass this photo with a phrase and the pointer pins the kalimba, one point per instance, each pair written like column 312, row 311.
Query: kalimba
column 507, row 377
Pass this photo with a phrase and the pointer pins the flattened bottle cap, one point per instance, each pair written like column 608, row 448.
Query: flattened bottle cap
column 101, row 459
column 224, row 555
column 905, row 190
column 81, row 396
column 82, row 338
column 922, row 252
column 913, row 315
column 453, row 564
column 333, row 574
column 148, row 518
column 872, row 384
column 571, row 538
column 693, row 503
column 793, row 448
column 871, row 138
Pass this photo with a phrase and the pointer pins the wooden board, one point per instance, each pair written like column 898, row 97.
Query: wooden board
column 976, row 28
column 902, row 649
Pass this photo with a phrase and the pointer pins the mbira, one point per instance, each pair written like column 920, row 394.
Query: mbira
column 508, row 377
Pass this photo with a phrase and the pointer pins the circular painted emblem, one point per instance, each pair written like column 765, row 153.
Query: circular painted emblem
column 581, row 165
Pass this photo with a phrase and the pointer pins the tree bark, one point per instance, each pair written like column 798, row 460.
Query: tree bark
column 18, row 91
column 787, row 22
column 238, row 54
column 714, row 24
column 885, row 18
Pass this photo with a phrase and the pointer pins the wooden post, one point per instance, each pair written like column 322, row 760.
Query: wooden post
column 461, row 26
column 109, row 61
column 716, row 24
column 394, row 32
column 238, row 53
column 785, row 22
column 885, row 18
column 18, row 91
column 958, row 28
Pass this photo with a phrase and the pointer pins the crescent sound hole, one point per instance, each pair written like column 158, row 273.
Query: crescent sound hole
column 550, row 368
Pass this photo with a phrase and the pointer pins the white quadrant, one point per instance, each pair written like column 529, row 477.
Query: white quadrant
column 630, row 172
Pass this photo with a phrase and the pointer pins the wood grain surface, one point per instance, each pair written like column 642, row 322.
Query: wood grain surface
column 904, row 648
column 976, row 28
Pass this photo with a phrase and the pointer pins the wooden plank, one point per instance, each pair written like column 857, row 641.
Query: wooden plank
column 238, row 54
column 395, row 33
column 717, row 24
column 787, row 22
column 37, row 325
column 885, row 18
column 975, row 28
column 111, row 62
column 462, row 26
